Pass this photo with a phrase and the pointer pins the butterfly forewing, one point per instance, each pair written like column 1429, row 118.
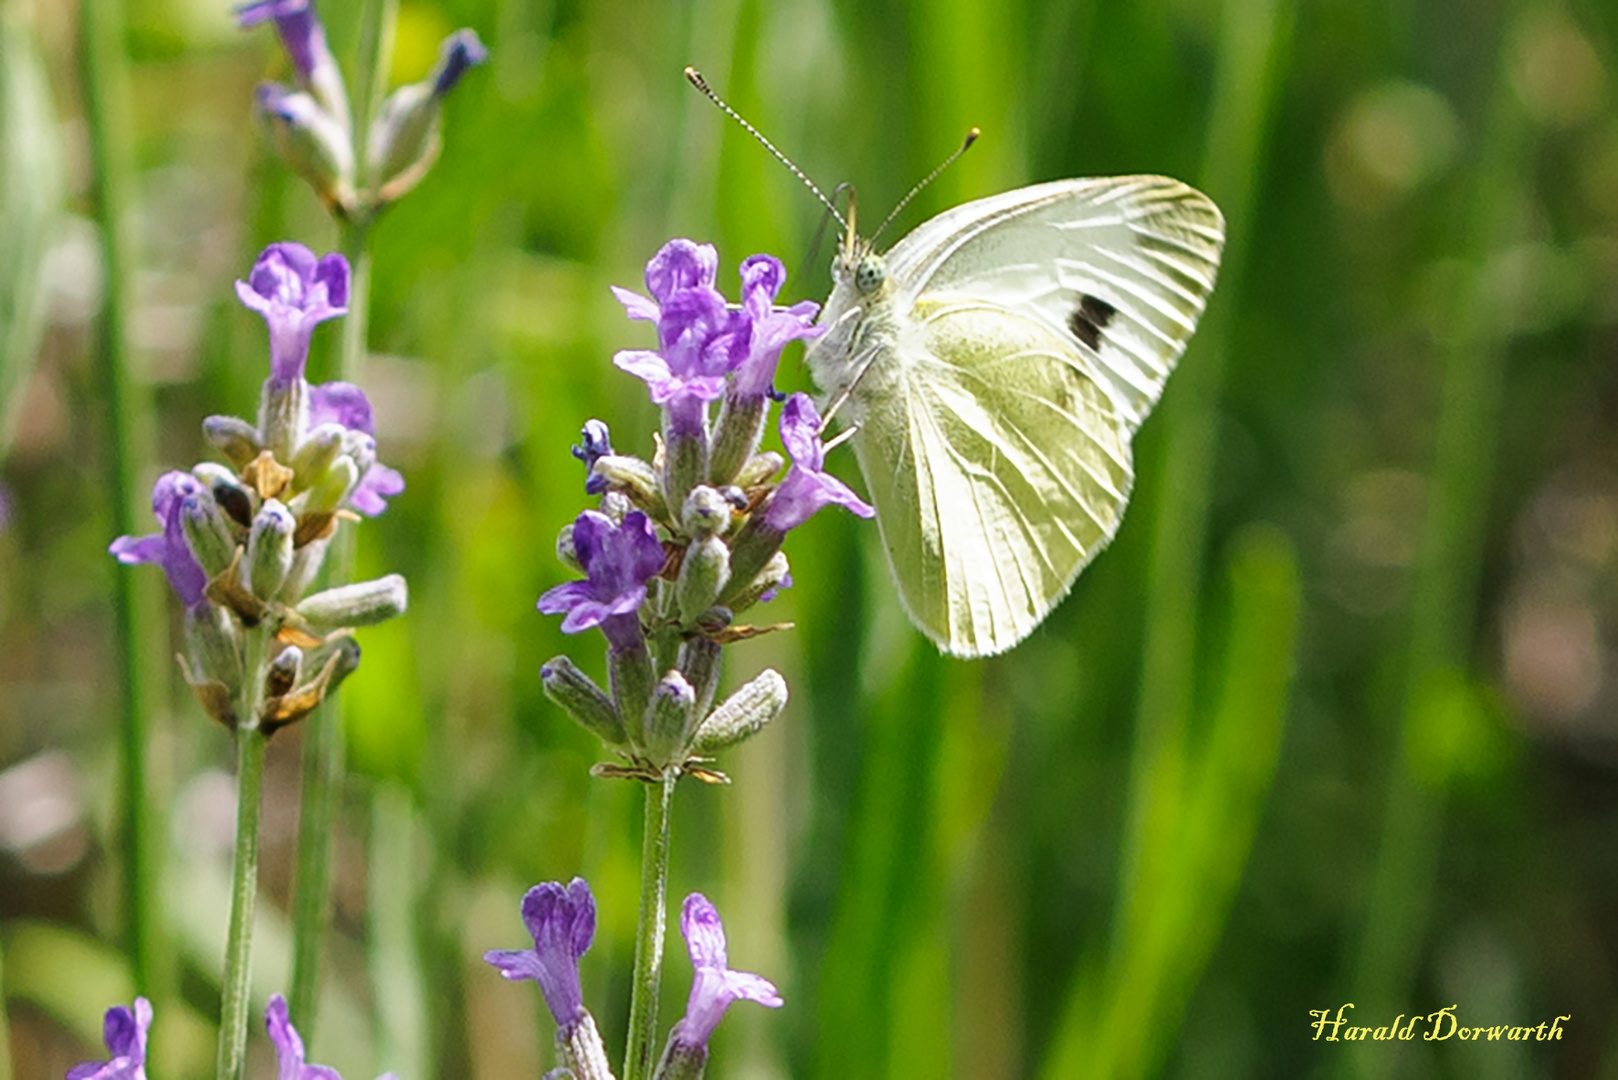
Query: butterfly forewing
column 1122, row 266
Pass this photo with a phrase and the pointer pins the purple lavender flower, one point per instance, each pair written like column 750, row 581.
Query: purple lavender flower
column 125, row 1033
column 346, row 404
column 299, row 27
column 294, row 291
column 562, row 922
column 807, row 487
column 714, row 986
column 168, row 548
column 772, row 327
column 700, row 339
column 618, row 561
column 289, row 1047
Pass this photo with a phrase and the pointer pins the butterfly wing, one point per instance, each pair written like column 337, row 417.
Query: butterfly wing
column 998, row 466
column 1121, row 266
column 1025, row 339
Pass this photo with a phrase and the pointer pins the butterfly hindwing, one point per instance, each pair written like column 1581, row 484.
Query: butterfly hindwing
column 997, row 465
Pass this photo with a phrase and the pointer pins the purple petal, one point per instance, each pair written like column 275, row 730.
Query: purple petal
column 565, row 597
column 681, row 265
column 134, row 550
column 800, row 431
column 341, row 403
column 804, row 493
column 704, row 933
column 636, row 305
column 586, row 615
column 647, row 366
column 762, row 278
column 379, row 484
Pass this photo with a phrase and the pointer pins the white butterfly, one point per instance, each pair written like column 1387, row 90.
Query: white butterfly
column 997, row 362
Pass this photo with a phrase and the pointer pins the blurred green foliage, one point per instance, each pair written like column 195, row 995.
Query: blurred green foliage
column 1332, row 721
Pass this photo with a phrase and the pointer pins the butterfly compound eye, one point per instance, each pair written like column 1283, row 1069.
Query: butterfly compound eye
column 870, row 275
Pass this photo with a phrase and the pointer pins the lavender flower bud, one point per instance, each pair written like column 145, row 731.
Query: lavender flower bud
column 314, row 458
column 346, row 652
column 306, row 562
column 583, row 700
column 363, row 604
column 269, row 549
column 668, row 718
column 237, row 500
column 774, row 576
column 685, row 447
column 313, row 141
column 736, row 436
column 616, row 505
column 214, row 643
column 566, row 553
column 580, row 1048
column 620, row 473
column 703, row 573
column 743, row 714
column 595, row 444
column 207, row 533
column 405, row 138
column 629, row 675
column 234, row 437
column 760, row 468
column 682, row 1061
column 284, row 671
column 698, row 660
column 327, row 493
column 706, row 513
column 283, row 414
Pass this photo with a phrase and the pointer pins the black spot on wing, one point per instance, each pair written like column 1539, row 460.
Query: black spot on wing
column 1089, row 319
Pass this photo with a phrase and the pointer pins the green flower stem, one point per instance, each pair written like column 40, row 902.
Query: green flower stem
column 250, row 742
column 137, row 601
column 654, row 881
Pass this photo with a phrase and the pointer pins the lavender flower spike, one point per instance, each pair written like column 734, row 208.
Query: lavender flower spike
column 807, row 487
column 618, row 561
column 714, row 987
column 125, row 1033
column 289, row 1047
column 562, row 922
column 168, row 548
column 294, row 291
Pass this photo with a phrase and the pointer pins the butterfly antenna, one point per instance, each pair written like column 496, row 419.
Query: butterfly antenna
column 971, row 137
column 694, row 77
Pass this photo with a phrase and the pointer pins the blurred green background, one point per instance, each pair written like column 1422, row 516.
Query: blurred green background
column 1335, row 720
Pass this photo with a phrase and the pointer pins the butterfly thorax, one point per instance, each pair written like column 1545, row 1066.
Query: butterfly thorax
column 858, row 316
